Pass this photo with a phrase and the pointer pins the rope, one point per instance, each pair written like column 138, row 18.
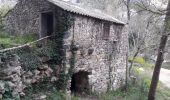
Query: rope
column 27, row 44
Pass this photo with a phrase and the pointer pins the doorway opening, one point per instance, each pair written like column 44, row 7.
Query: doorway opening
column 80, row 83
column 47, row 24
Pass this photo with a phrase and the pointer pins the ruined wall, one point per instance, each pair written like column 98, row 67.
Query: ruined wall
column 25, row 66
column 104, row 59
column 10, row 76
column 25, row 17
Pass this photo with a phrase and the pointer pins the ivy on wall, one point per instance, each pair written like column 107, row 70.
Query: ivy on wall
column 63, row 24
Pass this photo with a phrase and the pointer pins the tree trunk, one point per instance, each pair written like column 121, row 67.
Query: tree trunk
column 128, row 10
column 159, row 61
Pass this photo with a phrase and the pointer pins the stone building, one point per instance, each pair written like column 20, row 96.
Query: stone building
column 100, row 60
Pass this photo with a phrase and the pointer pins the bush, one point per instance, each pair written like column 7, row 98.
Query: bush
column 139, row 60
column 142, row 62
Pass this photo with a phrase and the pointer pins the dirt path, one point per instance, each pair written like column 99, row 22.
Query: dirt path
column 165, row 77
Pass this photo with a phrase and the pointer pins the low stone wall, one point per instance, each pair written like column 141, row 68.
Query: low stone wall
column 10, row 75
column 13, row 79
column 23, row 66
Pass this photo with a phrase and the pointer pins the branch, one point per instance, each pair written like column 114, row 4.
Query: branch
column 146, row 8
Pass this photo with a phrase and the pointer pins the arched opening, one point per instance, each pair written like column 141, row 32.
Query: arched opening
column 80, row 83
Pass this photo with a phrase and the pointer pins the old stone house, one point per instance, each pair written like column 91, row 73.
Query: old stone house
column 101, row 45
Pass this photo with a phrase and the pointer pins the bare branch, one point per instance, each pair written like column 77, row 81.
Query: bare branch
column 145, row 7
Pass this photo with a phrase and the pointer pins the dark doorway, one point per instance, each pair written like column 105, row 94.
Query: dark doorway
column 80, row 83
column 47, row 24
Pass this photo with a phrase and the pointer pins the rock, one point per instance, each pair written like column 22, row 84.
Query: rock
column 54, row 79
column 11, row 76
column 2, row 87
column 43, row 67
column 17, row 70
column 29, row 73
column 48, row 72
column 33, row 81
column 28, row 81
column 36, row 72
column 42, row 97
column 82, row 52
column 22, row 94
column 0, row 96
column 10, row 84
column 15, row 78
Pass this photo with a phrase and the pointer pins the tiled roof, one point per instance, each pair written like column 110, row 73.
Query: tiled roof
column 84, row 11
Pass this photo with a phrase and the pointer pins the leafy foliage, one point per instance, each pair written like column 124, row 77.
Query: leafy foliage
column 139, row 60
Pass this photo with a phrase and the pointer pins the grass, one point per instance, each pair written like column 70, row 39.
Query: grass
column 7, row 41
column 138, row 91
column 163, row 93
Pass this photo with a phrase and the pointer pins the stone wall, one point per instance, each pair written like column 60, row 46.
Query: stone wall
column 22, row 67
column 104, row 59
column 25, row 17
column 10, row 76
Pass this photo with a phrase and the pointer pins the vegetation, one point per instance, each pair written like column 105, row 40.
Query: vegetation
column 7, row 41
column 139, row 60
column 166, row 65
column 144, row 31
column 137, row 90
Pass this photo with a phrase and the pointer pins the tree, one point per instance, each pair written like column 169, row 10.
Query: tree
column 160, row 56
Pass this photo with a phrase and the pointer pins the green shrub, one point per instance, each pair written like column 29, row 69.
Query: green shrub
column 139, row 60
column 142, row 62
column 138, row 70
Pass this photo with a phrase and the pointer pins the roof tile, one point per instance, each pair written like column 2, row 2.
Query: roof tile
column 84, row 11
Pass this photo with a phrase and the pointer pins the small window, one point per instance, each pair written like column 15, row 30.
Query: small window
column 106, row 31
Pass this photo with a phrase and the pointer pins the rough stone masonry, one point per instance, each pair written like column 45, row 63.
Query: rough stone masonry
column 101, row 43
